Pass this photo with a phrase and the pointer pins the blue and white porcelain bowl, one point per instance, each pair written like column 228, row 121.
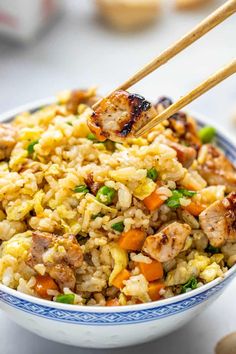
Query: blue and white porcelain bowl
column 110, row 327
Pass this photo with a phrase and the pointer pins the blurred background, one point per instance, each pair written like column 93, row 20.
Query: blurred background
column 48, row 46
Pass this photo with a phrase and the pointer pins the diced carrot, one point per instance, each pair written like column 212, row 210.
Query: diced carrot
column 118, row 281
column 151, row 271
column 132, row 240
column 190, row 187
column 138, row 301
column 113, row 302
column 154, row 290
column 96, row 130
column 153, row 201
column 195, row 208
column 43, row 284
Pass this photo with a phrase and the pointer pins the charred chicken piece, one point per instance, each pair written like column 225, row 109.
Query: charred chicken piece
column 216, row 169
column 184, row 128
column 162, row 103
column 218, row 221
column 185, row 154
column 168, row 243
column 61, row 256
column 120, row 115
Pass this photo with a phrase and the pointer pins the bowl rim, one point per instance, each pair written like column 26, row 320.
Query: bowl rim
column 202, row 119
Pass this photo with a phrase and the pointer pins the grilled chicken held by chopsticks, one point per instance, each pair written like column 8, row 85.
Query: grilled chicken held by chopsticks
column 120, row 115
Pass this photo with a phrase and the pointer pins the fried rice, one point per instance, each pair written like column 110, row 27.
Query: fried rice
column 63, row 240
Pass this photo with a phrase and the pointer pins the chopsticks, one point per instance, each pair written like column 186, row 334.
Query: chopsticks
column 218, row 16
column 205, row 86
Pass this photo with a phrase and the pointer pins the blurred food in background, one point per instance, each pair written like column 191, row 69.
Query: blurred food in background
column 227, row 345
column 23, row 19
column 128, row 15
column 190, row 4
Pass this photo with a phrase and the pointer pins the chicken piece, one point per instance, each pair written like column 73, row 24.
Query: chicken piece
column 93, row 186
column 184, row 128
column 216, row 169
column 167, row 243
column 185, row 154
column 77, row 97
column 8, row 136
column 63, row 275
column 120, row 115
column 41, row 242
column 162, row 103
column 218, row 221
column 61, row 256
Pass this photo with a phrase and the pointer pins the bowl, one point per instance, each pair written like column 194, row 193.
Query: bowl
column 118, row 326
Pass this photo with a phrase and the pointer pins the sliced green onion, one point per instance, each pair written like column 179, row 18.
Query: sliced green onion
column 110, row 145
column 30, row 147
column 81, row 189
column 174, row 201
column 118, row 226
column 190, row 285
column 187, row 193
column 81, row 239
column 212, row 249
column 106, row 195
column 66, row 298
column 207, row 134
column 99, row 215
column 152, row 174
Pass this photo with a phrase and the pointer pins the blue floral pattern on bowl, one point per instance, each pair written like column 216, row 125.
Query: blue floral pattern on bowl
column 111, row 318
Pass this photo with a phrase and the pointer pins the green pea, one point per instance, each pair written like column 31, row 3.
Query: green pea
column 207, row 134
column 30, row 147
column 81, row 189
column 105, row 195
column 118, row 226
column 152, row 174
column 65, row 298
column 91, row 136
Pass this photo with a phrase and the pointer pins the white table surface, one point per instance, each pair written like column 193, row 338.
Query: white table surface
column 78, row 51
